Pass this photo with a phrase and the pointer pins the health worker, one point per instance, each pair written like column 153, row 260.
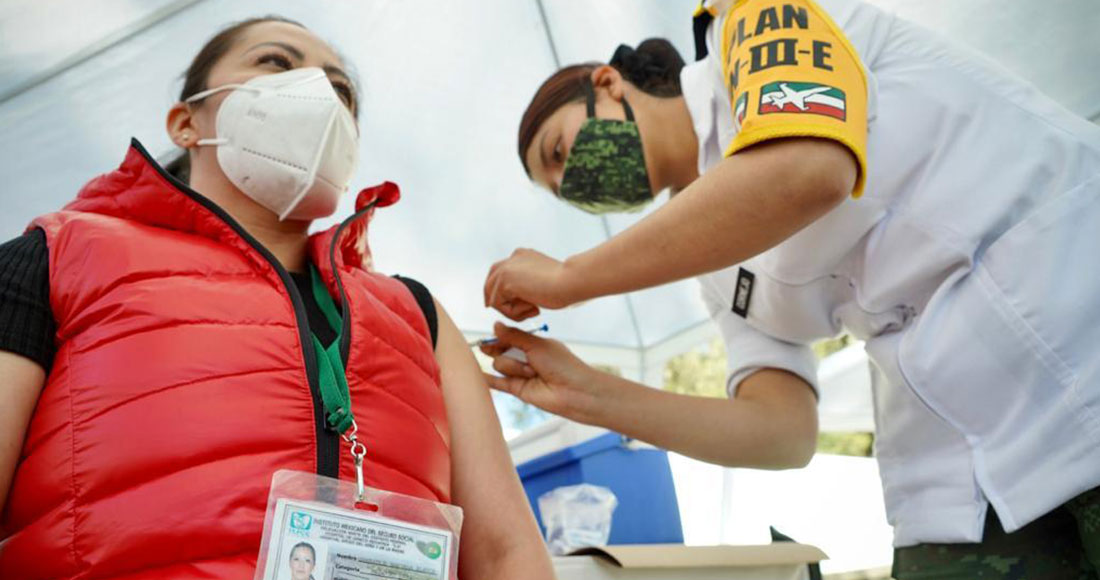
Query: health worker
column 834, row 169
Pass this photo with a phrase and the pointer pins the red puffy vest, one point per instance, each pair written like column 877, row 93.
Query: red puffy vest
column 185, row 377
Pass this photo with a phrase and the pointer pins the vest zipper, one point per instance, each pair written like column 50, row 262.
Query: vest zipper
column 328, row 441
column 345, row 327
column 345, row 332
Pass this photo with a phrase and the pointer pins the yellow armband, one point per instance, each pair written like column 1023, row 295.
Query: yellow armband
column 791, row 72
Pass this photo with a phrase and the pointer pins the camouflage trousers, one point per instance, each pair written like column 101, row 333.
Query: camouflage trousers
column 1062, row 545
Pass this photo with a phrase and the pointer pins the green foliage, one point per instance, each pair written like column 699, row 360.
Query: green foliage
column 856, row 444
column 700, row 372
column 611, row 370
column 824, row 348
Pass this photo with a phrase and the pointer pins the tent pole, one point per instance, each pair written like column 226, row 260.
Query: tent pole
column 549, row 35
column 96, row 48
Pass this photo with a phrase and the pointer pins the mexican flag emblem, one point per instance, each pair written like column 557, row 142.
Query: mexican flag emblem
column 790, row 97
column 739, row 109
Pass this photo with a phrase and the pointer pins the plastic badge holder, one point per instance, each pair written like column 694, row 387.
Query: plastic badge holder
column 325, row 529
column 577, row 516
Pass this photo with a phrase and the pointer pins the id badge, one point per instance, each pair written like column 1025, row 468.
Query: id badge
column 320, row 528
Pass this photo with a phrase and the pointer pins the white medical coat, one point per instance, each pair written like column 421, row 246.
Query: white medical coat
column 970, row 266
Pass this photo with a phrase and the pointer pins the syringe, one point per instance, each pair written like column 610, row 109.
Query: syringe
column 485, row 341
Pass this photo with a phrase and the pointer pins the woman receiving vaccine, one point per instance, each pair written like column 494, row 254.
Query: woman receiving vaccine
column 168, row 345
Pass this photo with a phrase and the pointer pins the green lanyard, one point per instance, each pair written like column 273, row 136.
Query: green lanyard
column 334, row 382
column 330, row 367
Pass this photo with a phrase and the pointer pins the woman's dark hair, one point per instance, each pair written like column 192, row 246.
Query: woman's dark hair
column 654, row 67
column 196, row 75
column 306, row 545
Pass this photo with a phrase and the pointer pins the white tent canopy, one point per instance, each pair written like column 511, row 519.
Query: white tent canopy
column 443, row 86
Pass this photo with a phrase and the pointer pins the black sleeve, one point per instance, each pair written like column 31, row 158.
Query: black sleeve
column 27, row 326
column 427, row 305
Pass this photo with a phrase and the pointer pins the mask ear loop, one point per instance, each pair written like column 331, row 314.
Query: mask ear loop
column 203, row 94
column 590, row 103
column 589, row 99
column 629, row 112
column 232, row 87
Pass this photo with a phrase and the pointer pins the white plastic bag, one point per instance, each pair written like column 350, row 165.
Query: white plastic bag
column 577, row 516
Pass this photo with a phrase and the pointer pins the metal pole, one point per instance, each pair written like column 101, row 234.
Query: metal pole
column 98, row 47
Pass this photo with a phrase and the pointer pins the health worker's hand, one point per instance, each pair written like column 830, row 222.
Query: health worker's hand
column 527, row 281
column 553, row 379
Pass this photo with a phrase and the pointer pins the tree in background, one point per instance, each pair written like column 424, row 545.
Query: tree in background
column 702, row 372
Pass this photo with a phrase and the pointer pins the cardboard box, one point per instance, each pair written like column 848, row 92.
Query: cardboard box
column 779, row 561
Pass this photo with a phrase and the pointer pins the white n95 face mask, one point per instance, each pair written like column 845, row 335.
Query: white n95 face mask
column 287, row 141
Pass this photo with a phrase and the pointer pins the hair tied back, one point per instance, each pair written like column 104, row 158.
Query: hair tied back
column 653, row 67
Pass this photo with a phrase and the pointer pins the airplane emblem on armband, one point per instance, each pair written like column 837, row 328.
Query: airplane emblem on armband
column 791, row 97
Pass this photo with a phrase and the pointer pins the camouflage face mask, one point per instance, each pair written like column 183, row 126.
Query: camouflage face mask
column 605, row 171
